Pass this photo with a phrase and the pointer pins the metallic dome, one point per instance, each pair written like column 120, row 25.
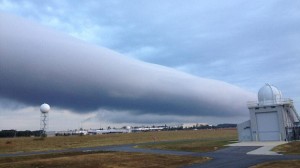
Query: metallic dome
column 269, row 94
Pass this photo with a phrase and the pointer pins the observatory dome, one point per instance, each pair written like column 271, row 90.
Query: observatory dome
column 269, row 94
column 45, row 108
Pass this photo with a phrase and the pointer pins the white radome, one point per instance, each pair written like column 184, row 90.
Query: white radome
column 45, row 108
column 269, row 94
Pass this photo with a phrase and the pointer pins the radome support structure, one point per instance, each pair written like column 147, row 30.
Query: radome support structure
column 45, row 108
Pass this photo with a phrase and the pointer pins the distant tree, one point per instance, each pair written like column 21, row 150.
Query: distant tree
column 26, row 133
column 37, row 133
column 8, row 133
column 227, row 125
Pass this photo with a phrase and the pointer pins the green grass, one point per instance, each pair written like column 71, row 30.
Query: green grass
column 11, row 145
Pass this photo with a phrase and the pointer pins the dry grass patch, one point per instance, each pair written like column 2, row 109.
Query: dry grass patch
column 289, row 148
column 53, row 143
column 103, row 160
column 279, row 164
column 190, row 145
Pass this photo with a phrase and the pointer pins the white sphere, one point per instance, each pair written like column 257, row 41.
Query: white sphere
column 45, row 108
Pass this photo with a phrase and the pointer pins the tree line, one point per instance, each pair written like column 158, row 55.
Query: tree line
column 15, row 133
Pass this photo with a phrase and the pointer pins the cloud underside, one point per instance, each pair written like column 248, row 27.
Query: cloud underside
column 39, row 65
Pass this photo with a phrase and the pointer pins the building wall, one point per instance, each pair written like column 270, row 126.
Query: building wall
column 244, row 130
column 255, row 113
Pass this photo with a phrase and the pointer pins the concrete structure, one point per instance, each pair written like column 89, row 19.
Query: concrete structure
column 265, row 149
column 272, row 118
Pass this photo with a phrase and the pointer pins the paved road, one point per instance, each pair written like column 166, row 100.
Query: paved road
column 236, row 157
column 231, row 157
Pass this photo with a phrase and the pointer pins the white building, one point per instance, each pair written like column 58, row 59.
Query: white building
column 191, row 125
column 272, row 118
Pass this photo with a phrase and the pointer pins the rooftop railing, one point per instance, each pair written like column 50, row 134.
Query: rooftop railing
column 269, row 102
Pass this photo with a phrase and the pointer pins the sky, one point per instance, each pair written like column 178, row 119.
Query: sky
column 100, row 63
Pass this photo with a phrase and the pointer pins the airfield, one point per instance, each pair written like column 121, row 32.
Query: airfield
column 187, row 148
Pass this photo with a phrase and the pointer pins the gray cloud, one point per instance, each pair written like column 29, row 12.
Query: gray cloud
column 250, row 38
column 128, row 118
column 40, row 65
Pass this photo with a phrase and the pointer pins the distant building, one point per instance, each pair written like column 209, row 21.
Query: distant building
column 193, row 125
column 272, row 118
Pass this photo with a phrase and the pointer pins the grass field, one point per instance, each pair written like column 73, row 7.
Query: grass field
column 10, row 145
column 279, row 164
column 289, row 148
column 100, row 159
column 206, row 145
column 193, row 140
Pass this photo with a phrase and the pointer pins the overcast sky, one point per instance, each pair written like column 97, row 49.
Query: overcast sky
column 144, row 62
